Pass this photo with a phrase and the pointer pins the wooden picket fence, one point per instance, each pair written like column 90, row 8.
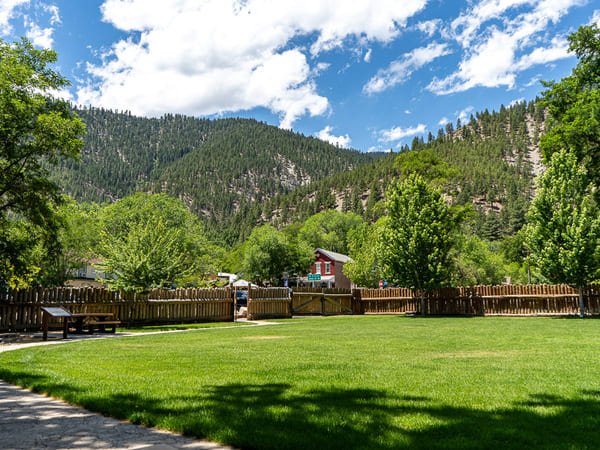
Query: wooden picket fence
column 20, row 310
column 386, row 301
column 269, row 303
column 310, row 301
column 510, row 300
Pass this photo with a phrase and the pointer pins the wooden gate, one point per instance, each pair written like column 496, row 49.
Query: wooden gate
column 268, row 303
column 310, row 301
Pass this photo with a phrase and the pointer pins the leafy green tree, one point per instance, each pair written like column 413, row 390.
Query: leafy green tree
column 269, row 253
column 20, row 264
column 416, row 243
column 150, row 241
column 365, row 268
column 150, row 255
column 477, row 261
column 563, row 234
column 329, row 230
column 36, row 129
column 574, row 105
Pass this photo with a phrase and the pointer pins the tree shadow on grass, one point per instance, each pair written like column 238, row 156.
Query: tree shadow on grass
column 279, row 416
column 269, row 417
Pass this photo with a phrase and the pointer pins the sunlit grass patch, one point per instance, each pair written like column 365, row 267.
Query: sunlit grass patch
column 342, row 382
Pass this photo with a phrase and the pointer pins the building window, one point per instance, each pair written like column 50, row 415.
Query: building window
column 327, row 268
column 318, row 267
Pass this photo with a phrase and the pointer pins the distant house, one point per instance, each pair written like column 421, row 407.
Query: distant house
column 226, row 277
column 86, row 275
column 329, row 265
column 88, row 271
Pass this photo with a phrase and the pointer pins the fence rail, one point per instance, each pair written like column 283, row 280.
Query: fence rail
column 269, row 303
column 522, row 300
column 307, row 301
column 20, row 310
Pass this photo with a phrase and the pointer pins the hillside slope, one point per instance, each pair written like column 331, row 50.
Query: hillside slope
column 215, row 166
column 494, row 157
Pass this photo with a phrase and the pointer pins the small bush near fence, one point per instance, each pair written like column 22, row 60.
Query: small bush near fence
column 20, row 310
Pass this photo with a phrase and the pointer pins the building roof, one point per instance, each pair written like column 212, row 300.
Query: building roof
column 334, row 256
column 244, row 283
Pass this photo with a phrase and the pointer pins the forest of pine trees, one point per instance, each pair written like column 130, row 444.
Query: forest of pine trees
column 236, row 174
column 493, row 164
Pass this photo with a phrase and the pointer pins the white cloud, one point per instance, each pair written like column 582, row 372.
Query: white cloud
column 466, row 26
column 377, row 149
column 54, row 13
column 367, row 57
column 320, row 67
column 42, row 37
column 8, row 10
column 491, row 58
column 397, row 133
column 401, row 69
column 217, row 55
column 595, row 18
column 443, row 121
column 341, row 141
column 558, row 50
column 429, row 27
column 464, row 114
column 516, row 101
column 490, row 65
column 407, row 111
column 38, row 35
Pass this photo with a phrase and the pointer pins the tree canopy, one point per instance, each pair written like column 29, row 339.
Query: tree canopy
column 573, row 104
column 36, row 129
column 365, row 268
column 269, row 253
column 418, row 237
column 564, row 230
column 149, row 241
column 329, row 230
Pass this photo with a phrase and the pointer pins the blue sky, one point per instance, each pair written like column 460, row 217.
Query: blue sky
column 369, row 75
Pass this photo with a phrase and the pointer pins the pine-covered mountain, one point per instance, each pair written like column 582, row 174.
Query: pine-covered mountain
column 494, row 158
column 216, row 167
column 238, row 173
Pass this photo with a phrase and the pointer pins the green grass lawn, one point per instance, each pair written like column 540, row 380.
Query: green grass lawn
column 182, row 326
column 343, row 382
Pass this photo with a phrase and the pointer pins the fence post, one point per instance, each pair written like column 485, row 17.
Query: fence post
column 357, row 302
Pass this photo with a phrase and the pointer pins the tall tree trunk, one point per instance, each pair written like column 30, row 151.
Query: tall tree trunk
column 581, row 303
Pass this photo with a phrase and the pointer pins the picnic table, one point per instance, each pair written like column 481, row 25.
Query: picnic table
column 99, row 320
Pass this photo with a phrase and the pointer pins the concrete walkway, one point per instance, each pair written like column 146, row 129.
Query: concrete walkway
column 32, row 421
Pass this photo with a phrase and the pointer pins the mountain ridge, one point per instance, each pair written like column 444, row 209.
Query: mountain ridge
column 239, row 173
